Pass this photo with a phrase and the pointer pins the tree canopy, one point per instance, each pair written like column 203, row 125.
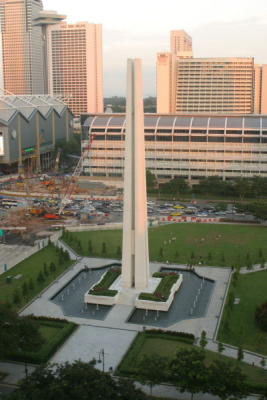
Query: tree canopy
column 17, row 333
column 76, row 381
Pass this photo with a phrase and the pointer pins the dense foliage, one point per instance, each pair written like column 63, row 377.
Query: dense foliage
column 261, row 316
column 242, row 188
column 75, row 381
column 17, row 333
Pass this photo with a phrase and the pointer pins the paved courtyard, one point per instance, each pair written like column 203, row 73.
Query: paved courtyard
column 89, row 342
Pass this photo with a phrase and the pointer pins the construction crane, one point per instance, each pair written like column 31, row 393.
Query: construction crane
column 57, row 160
column 74, row 178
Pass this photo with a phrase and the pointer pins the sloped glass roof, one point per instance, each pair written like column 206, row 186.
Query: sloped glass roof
column 217, row 122
column 117, row 121
column 264, row 122
column 200, row 122
column 41, row 105
column 183, row 122
column 7, row 111
column 27, row 106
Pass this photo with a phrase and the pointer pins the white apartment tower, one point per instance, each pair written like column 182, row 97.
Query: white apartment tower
column 21, row 56
column 208, row 85
column 75, row 66
column 181, row 43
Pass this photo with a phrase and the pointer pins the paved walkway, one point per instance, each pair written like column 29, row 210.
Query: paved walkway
column 15, row 371
column 90, row 342
column 10, row 253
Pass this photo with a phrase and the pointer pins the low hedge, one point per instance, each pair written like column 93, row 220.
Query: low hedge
column 190, row 338
column 163, row 289
column 51, row 346
column 102, row 288
column 259, row 388
column 125, row 367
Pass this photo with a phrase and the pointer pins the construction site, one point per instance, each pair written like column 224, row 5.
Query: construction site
column 37, row 193
column 34, row 204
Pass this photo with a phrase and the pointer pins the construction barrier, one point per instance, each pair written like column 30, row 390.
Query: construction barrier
column 189, row 218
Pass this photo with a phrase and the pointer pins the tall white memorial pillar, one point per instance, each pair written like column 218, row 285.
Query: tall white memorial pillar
column 135, row 257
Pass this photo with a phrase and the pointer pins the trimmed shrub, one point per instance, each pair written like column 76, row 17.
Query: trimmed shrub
column 163, row 289
column 102, row 288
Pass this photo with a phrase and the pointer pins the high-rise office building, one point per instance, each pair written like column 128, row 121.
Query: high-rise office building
column 75, row 65
column 21, row 56
column 219, row 85
column 44, row 19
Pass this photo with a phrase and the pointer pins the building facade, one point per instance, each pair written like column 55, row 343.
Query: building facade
column 208, row 85
column 75, row 65
column 30, row 128
column 188, row 146
column 181, row 43
column 21, row 56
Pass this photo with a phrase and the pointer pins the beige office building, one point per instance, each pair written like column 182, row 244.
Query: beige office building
column 191, row 146
column 208, row 85
column 21, row 57
column 75, row 65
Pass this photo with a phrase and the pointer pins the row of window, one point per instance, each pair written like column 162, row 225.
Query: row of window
column 192, row 131
column 186, row 169
column 159, row 138
column 174, row 150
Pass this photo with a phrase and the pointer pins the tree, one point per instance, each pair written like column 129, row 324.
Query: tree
column 151, row 180
column 152, row 370
column 17, row 333
column 263, row 362
column 25, row 289
column 31, row 285
column 220, row 347
column 240, row 354
column 203, row 340
column 104, row 249
column 90, row 247
column 46, row 272
column 16, row 296
column 175, row 186
column 74, row 382
column 52, row 267
column 40, row 277
column 261, row 316
column 188, row 371
column 118, row 251
column 227, row 380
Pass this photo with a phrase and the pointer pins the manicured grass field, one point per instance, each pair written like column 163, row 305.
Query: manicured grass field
column 209, row 244
column 148, row 344
column 238, row 326
column 27, row 270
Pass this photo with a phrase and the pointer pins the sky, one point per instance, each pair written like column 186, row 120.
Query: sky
column 141, row 28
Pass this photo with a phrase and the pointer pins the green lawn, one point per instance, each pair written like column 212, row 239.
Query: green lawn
column 167, row 346
column 211, row 244
column 238, row 326
column 29, row 270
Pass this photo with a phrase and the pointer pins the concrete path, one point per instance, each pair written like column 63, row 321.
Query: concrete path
column 92, row 342
column 231, row 351
column 9, row 255
column 15, row 371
